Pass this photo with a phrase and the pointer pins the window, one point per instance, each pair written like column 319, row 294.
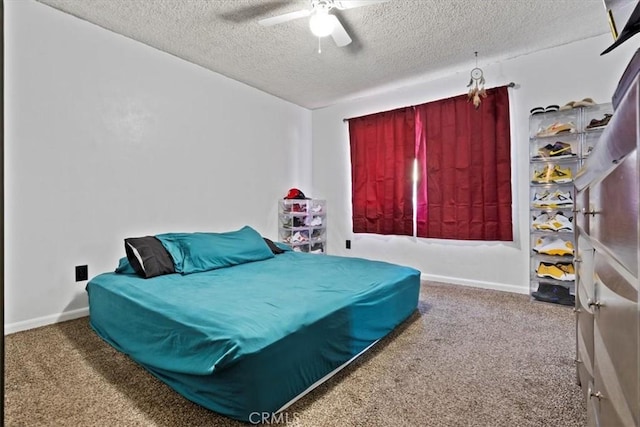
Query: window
column 382, row 157
column 463, row 187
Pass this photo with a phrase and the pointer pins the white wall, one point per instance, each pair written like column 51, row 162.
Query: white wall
column 555, row 76
column 106, row 138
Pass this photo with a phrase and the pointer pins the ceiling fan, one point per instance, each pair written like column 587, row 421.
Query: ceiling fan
column 322, row 23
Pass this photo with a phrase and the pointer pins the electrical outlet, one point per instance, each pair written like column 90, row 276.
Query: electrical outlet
column 348, row 244
column 82, row 273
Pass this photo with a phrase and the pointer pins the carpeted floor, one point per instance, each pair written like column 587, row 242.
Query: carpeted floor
column 468, row 357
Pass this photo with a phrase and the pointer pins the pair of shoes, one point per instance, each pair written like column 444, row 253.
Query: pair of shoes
column 552, row 174
column 558, row 271
column 557, row 128
column 599, row 123
column 557, row 222
column 586, row 102
column 539, row 110
column 552, row 200
column 558, row 150
column 553, row 246
column 554, row 293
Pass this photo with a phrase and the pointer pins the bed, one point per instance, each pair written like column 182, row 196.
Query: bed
column 250, row 338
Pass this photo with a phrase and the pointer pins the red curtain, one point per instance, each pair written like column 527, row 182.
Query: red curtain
column 464, row 160
column 382, row 155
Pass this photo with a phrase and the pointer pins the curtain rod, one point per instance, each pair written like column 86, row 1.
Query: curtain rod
column 510, row 84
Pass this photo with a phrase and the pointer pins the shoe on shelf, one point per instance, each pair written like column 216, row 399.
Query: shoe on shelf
column 561, row 176
column 586, row 102
column 541, row 200
column 561, row 199
column 569, row 271
column 552, row 200
column 553, row 246
column 558, row 271
column 559, row 222
column 552, row 173
column 568, row 106
column 549, row 109
column 557, row 294
column 541, row 242
column 559, row 150
column 557, row 128
column 540, row 222
column 599, row 123
column 543, row 176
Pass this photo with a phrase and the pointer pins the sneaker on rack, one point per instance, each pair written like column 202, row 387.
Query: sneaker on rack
column 569, row 271
column 560, row 176
column 541, row 200
column 540, row 222
column 543, row 176
column 553, row 246
column 556, row 271
column 557, row 128
column 559, row 222
column 559, row 150
column 560, row 198
column 541, row 242
column 553, row 293
column 549, row 270
column 599, row 123
column 551, row 200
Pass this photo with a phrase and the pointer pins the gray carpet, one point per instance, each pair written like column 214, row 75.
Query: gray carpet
column 468, row 357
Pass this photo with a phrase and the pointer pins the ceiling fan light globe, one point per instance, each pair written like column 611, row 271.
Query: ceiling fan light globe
column 321, row 24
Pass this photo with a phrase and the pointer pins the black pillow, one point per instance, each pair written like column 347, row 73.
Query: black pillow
column 274, row 248
column 148, row 257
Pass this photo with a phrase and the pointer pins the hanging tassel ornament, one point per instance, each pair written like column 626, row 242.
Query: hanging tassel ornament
column 476, row 83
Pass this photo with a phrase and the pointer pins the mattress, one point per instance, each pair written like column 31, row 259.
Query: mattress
column 247, row 339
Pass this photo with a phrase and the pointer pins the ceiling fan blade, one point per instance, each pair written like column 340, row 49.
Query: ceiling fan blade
column 351, row 4
column 339, row 34
column 267, row 22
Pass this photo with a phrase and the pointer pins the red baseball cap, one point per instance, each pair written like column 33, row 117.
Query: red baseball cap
column 294, row 193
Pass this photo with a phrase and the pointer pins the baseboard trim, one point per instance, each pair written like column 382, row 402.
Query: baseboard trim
column 45, row 320
column 475, row 283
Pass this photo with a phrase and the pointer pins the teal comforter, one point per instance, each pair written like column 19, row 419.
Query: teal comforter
column 249, row 338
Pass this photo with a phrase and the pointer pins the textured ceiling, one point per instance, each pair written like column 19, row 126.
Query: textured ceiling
column 393, row 42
